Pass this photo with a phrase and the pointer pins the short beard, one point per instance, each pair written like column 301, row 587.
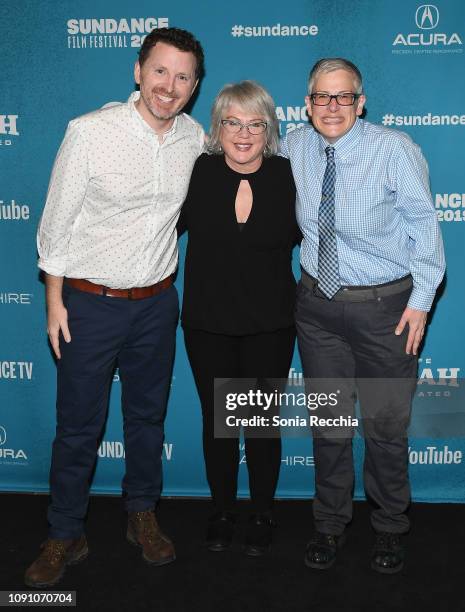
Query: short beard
column 152, row 111
column 162, row 117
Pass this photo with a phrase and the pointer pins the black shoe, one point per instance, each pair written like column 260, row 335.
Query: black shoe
column 258, row 535
column 388, row 553
column 322, row 550
column 220, row 531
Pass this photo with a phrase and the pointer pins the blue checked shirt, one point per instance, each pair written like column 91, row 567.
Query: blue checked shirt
column 385, row 221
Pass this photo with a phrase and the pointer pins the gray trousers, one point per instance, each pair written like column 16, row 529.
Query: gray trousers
column 355, row 341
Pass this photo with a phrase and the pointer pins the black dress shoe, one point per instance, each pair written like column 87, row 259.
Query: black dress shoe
column 220, row 531
column 388, row 553
column 258, row 535
column 322, row 550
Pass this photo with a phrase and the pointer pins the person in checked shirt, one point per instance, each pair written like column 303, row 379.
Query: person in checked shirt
column 372, row 258
column 108, row 246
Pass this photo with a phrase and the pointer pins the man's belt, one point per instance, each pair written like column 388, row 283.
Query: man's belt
column 359, row 294
column 135, row 293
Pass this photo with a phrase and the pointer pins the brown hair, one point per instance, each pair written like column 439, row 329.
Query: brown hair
column 181, row 39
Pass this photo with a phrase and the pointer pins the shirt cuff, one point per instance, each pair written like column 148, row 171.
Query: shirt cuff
column 55, row 268
column 421, row 300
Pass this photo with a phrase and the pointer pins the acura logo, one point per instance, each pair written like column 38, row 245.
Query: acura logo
column 2, row 435
column 427, row 17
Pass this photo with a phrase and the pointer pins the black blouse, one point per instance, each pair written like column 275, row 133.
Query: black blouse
column 239, row 281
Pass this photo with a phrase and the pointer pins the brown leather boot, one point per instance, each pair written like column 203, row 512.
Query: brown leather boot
column 50, row 565
column 143, row 531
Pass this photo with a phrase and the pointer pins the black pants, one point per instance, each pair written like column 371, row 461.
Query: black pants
column 347, row 340
column 213, row 356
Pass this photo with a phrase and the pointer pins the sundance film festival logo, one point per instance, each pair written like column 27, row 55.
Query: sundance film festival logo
column 114, row 449
column 10, row 456
column 111, row 33
column 8, row 129
column 290, row 118
column 275, row 30
column 425, row 40
column 450, row 207
column 429, row 120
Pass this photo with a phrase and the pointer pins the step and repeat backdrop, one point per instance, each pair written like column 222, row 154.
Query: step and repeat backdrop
column 63, row 58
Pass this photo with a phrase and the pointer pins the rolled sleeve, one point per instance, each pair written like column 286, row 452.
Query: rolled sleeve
column 67, row 188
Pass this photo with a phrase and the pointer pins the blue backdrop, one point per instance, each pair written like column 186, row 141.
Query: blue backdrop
column 65, row 58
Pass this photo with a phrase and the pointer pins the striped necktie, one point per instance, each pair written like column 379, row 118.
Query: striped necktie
column 328, row 267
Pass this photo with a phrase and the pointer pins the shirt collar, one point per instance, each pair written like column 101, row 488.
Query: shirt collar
column 346, row 143
column 142, row 124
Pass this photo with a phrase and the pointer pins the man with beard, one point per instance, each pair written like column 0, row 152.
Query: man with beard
column 108, row 246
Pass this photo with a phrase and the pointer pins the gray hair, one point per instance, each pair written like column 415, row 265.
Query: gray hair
column 329, row 64
column 253, row 98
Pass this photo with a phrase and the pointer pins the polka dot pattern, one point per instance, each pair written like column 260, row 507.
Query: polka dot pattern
column 114, row 198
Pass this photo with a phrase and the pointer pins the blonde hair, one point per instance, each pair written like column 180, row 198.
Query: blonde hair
column 251, row 97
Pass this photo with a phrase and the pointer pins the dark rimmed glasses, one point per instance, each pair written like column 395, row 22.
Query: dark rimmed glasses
column 345, row 98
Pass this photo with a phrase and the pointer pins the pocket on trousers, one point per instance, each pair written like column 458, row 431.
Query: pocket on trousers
column 394, row 304
column 301, row 293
